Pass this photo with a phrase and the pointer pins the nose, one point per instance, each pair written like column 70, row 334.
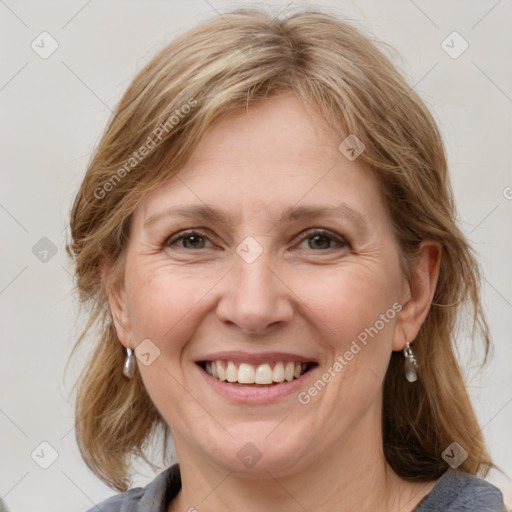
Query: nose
column 255, row 299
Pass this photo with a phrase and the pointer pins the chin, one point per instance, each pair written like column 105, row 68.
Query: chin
column 257, row 449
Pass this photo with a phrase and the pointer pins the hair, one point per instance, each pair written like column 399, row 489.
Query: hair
column 207, row 74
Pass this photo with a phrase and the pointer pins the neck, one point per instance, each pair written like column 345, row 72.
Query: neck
column 352, row 475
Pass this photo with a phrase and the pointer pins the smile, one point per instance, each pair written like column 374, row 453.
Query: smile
column 256, row 378
column 262, row 374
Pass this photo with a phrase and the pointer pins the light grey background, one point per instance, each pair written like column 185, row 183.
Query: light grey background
column 53, row 113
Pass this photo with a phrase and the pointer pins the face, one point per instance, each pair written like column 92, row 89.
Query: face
column 288, row 290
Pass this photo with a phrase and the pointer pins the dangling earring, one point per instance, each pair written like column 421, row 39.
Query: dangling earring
column 129, row 364
column 410, row 364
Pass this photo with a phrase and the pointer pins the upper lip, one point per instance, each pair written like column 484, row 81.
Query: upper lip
column 256, row 358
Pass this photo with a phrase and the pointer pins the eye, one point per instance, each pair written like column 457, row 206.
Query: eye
column 322, row 239
column 191, row 240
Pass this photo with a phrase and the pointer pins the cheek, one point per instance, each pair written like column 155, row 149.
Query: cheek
column 356, row 308
column 161, row 304
column 163, row 307
column 350, row 301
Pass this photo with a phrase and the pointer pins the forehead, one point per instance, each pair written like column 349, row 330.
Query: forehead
column 276, row 135
column 276, row 154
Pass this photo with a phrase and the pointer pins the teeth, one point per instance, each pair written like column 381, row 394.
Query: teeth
column 249, row 374
column 263, row 374
column 289, row 370
column 231, row 372
column 278, row 375
column 220, row 370
column 246, row 374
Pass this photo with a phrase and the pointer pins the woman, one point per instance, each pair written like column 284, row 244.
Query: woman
column 266, row 236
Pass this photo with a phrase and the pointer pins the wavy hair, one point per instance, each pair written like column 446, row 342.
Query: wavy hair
column 205, row 75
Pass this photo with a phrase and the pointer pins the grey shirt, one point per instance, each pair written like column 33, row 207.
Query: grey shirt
column 455, row 491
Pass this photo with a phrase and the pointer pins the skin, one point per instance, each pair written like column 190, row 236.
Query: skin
column 302, row 295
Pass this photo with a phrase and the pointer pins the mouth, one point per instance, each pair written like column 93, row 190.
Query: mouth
column 256, row 378
column 265, row 374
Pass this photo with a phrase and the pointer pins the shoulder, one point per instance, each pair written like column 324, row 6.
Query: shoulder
column 125, row 502
column 458, row 491
column 154, row 497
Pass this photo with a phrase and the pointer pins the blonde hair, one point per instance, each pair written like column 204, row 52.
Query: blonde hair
column 205, row 75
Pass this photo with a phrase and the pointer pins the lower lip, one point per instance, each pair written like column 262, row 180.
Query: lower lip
column 255, row 395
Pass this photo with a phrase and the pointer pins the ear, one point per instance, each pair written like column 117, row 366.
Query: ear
column 118, row 305
column 417, row 294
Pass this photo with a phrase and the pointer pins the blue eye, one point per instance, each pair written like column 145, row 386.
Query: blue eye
column 322, row 240
column 194, row 237
column 320, row 237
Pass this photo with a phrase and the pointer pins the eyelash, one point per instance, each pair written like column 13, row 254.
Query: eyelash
column 308, row 234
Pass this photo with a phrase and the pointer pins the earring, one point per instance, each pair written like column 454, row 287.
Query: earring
column 410, row 364
column 129, row 364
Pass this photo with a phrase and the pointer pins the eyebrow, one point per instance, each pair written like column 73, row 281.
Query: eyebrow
column 291, row 214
